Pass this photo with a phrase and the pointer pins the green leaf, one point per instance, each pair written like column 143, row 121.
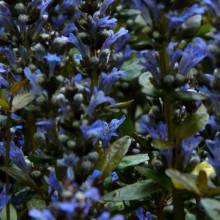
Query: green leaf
column 132, row 161
column 190, row 96
column 159, row 178
column 183, row 181
column 160, row 144
column 4, row 104
column 212, row 208
column 136, row 191
column 21, row 177
column 21, row 100
column 121, row 104
column 17, row 86
column 148, row 87
column 190, row 216
column 213, row 192
column 192, row 124
column 132, row 69
column 110, row 159
column 13, row 213
column 204, row 29
column 3, row 119
column 142, row 140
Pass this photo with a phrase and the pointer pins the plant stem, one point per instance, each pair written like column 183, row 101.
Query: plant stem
column 178, row 211
column 7, row 156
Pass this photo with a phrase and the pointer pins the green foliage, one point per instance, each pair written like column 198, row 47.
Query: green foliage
column 132, row 161
column 111, row 157
column 22, row 178
column 192, row 124
column 163, row 145
column 13, row 213
column 212, row 208
column 136, row 191
column 132, row 68
column 21, row 100
column 148, row 88
column 159, row 178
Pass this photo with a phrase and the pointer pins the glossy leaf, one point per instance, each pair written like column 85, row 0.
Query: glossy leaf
column 190, row 216
column 21, row 100
column 190, row 96
column 132, row 160
column 13, row 213
column 162, row 145
column 132, row 68
column 163, row 180
column 136, row 191
column 148, row 87
column 21, row 177
column 4, row 104
column 183, row 181
column 17, row 86
column 110, row 159
column 212, row 208
column 192, row 124
column 121, row 104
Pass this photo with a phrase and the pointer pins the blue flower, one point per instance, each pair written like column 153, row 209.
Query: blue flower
column 57, row 21
column 78, row 43
column 52, row 60
column 213, row 6
column 16, row 156
column 150, row 63
column 214, row 155
column 96, row 99
column 53, row 182
column 106, row 80
column 33, row 80
column 96, row 173
column 68, row 29
column 68, row 161
column 3, row 82
column 4, row 198
column 155, row 131
column 41, row 215
column 2, row 68
column 93, row 131
column 139, row 5
column 192, row 55
column 93, row 194
column 105, row 22
column 175, row 21
column 101, row 130
column 188, row 145
column 104, row 6
column 114, row 176
column 106, row 216
column 113, row 37
column 143, row 216
column 69, row 206
column 109, row 130
column 9, row 55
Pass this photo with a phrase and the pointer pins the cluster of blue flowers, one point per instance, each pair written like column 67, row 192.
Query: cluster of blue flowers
column 109, row 109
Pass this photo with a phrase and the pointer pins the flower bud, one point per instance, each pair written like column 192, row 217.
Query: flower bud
column 93, row 156
column 78, row 98
column 168, row 81
column 19, row 8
